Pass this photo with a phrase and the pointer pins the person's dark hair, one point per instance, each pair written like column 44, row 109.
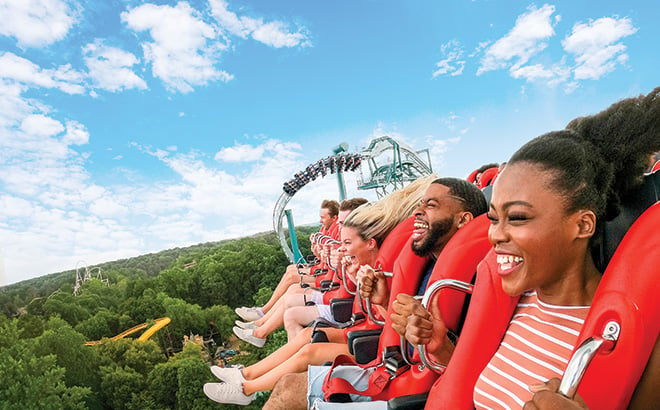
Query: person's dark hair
column 331, row 205
column 484, row 167
column 473, row 199
column 597, row 160
column 351, row 204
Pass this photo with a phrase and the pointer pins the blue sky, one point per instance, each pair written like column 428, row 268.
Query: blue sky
column 129, row 127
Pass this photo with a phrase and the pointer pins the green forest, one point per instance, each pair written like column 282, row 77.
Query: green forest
column 46, row 364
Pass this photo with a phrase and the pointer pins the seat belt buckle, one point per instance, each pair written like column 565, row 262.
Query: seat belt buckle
column 394, row 361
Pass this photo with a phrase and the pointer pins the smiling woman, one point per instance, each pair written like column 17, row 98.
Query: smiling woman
column 547, row 212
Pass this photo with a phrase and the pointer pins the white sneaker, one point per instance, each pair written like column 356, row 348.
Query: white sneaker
column 227, row 393
column 231, row 375
column 247, row 335
column 246, row 325
column 249, row 314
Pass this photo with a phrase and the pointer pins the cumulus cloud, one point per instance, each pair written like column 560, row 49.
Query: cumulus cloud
column 36, row 23
column 240, row 153
column 21, row 70
column 274, row 34
column 597, row 47
column 202, row 186
column 184, row 51
column 527, row 38
column 41, row 126
column 452, row 62
column 45, row 189
column 76, row 134
column 110, row 67
column 556, row 74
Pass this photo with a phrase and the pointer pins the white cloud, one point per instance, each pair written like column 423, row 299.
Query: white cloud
column 482, row 45
column 184, row 51
column 19, row 69
column 76, row 134
column 41, row 126
column 274, row 34
column 452, row 64
column 450, row 121
column 107, row 207
column 524, row 40
column 556, row 74
column 110, row 67
column 597, row 47
column 36, row 23
column 240, row 153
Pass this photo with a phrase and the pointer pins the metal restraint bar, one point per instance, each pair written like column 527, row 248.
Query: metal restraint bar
column 583, row 355
column 429, row 295
column 365, row 304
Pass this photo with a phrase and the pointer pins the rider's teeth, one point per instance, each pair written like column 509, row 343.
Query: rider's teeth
column 508, row 259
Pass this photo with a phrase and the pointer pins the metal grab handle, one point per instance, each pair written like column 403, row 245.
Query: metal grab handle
column 345, row 282
column 577, row 366
column 340, row 273
column 365, row 304
column 428, row 296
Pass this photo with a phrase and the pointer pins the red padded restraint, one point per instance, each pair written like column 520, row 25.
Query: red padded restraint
column 491, row 309
column 472, row 178
column 656, row 166
column 487, row 177
column 627, row 293
column 458, row 260
column 387, row 254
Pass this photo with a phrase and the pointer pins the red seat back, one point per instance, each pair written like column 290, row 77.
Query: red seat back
column 459, row 261
column 472, row 178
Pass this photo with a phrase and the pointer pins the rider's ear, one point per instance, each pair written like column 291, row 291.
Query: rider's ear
column 464, row 218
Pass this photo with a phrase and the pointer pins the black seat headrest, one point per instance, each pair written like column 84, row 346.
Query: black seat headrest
column 632, row 207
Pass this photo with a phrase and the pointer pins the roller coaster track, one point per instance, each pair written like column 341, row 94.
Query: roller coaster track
column 158, row 324
column 402, row 165
column 85, row 273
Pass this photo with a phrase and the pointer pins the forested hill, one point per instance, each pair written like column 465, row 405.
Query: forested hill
column 17, row 296
column 44, row 327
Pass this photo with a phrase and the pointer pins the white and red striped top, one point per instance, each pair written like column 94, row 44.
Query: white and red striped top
column 536, row 347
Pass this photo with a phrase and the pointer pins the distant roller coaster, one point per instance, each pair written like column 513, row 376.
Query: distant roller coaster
column 390, row 166
column 85, row 273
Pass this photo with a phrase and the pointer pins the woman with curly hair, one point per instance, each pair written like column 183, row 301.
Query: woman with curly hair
column 546, row 213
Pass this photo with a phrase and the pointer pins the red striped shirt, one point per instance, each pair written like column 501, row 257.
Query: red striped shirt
column 535, row 348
